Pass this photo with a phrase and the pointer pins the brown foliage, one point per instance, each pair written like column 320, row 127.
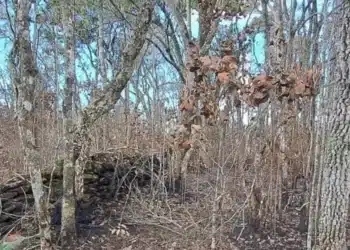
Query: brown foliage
column 258, row 91
column 202, row 94
column 297, row 83
column 188, row 104
column 294, row 84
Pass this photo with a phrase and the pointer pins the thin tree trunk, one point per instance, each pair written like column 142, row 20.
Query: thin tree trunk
column 127, row 115
column 68, row 229
column 56, row 70
column 25, row 107
column 102, row 72
column 188, row 14
column 101, row 53
column 112, row 91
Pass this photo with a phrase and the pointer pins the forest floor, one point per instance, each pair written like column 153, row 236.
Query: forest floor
column 148, row 220
column 171, row 225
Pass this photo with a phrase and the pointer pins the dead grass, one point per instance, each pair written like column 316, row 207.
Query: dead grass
column 153, row 219
column 149, row 218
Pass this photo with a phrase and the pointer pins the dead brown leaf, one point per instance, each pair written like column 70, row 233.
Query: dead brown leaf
column 186, row 144
column 224, row 77
column 262, row 78
column 299, row 88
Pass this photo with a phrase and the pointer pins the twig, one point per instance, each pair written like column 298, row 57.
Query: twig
column 32, row 247
column 20, row 176
column 158, row 225
column 300, row 208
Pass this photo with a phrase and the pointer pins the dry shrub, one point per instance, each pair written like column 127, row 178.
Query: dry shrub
column 10, row 146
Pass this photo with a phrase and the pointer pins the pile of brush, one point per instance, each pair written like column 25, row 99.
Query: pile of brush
column 107, row 175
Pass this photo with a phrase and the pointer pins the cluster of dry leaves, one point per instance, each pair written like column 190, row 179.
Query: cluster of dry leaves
column 297, row 83
column 200, row 97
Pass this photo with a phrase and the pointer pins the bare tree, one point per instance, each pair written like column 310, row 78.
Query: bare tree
column 68, row 230
column 25, row 83
column 103, row 104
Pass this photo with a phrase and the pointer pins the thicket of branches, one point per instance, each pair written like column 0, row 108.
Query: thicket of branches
column 247, row 107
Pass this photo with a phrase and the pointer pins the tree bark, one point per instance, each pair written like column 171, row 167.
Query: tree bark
column 102, row 71
column 335, row 189
column 68, row 229
column 25, row 111
column 112, row 92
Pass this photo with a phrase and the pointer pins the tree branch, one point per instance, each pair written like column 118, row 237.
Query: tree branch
column 209, row 38
column 113, row 90
column 173, row 36
column 170, row 61
column 183, row 28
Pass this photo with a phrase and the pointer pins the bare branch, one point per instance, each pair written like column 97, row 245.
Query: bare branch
column 113, row 90
column 170, row 61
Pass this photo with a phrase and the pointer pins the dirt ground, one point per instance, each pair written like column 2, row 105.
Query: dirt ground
column 149, row 219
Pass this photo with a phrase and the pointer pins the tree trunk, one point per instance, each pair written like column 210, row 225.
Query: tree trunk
column 208, row 25
column 25, row 108
column 127, row 116
column 188, row 16
column 102, row 71
column 68, row 229
column 112, row 91
column 335, row 189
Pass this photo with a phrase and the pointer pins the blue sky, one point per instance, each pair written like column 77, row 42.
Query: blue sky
column 258, row 47
column 6, row 44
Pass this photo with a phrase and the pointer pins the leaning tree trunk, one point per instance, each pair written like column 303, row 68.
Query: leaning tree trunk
column 68, row 229
column 25, row 112
column 335, row 189
column 112, row 92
